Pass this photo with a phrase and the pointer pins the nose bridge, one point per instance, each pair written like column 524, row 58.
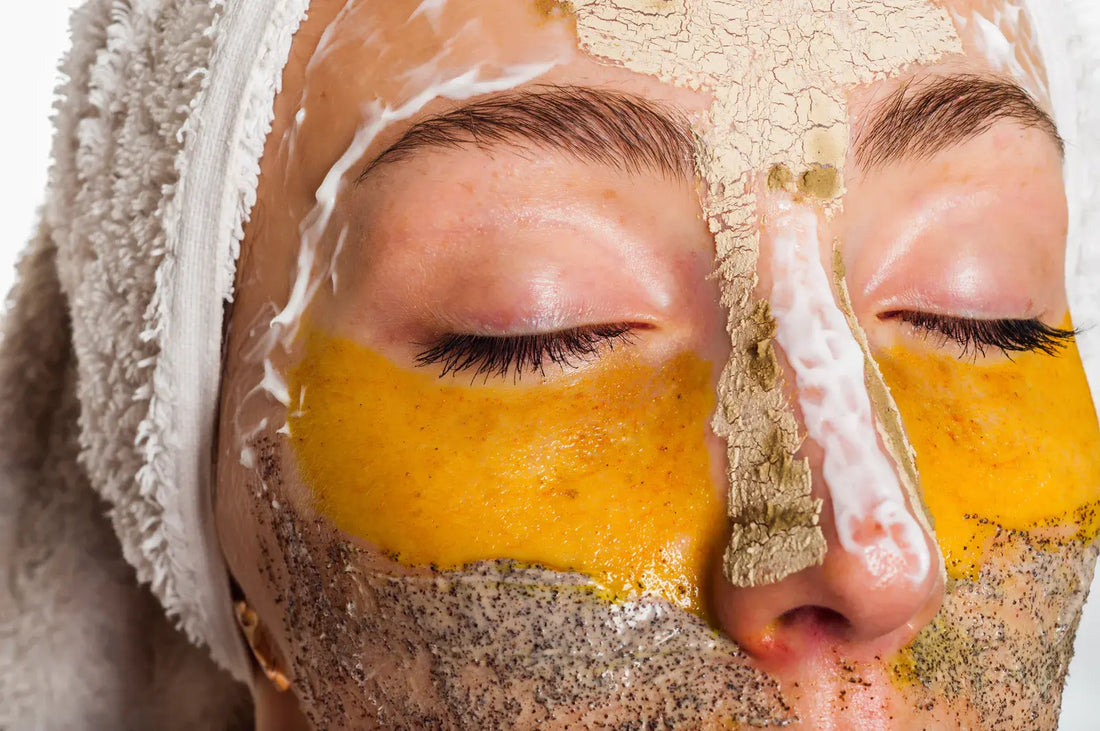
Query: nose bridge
column 871, row 518
column 881, row 571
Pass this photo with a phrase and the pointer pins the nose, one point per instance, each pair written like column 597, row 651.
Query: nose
column 881, row 579
column 859, row 606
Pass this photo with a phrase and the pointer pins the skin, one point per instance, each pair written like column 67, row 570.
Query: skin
column 531, row 240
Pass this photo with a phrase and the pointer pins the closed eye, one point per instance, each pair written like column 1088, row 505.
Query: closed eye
column 976, row 336
column 495, row 356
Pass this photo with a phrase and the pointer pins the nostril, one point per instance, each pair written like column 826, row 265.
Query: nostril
column 815, row 620
column 815, row 624
column 798, row 633
column 834, row 608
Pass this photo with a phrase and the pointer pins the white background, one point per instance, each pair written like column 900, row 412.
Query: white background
column 28, row 56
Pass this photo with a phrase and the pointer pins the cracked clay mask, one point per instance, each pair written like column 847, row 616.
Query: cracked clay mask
column 531, row 415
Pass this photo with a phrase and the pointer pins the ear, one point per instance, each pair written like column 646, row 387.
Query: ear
column 275, row 708
column 263, row 649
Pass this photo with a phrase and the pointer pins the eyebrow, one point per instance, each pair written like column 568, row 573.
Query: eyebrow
column 631, row 133
column 610, row 128
column 931, row 114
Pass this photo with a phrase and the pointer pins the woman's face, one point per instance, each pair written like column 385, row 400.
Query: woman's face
column 612, row 363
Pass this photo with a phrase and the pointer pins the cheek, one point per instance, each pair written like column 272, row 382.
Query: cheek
column 607, row 474
column 1012, row 446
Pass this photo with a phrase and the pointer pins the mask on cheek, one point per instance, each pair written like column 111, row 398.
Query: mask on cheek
column 604, row 473
column 1007, row 453
column 1009, row 446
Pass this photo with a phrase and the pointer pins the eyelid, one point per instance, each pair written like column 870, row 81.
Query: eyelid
column 975, row 335
column 497, row 355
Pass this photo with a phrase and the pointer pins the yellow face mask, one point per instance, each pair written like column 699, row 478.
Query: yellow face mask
column 1012, row 445
column 605, row 472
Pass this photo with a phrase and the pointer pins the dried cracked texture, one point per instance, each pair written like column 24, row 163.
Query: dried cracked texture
column 778, row 72
column 1002, row 644
column 888, row 422
column 494, row 646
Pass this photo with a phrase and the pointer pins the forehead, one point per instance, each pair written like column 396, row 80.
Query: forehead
column 369, row 72
column 778, row 77
column 423, row 32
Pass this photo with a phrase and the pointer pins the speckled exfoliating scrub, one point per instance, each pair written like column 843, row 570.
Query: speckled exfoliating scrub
column 484, row 646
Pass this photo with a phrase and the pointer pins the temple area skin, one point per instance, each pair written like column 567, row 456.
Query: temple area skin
column 475, row 457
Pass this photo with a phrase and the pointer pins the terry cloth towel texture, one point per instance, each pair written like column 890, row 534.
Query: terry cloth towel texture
column 109, row 371
column 111, row 349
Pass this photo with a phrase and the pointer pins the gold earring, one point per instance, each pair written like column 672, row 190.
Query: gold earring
column 261, row 645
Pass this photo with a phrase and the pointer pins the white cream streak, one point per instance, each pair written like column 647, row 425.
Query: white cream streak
column 310, row 272
column 992, row 40
column 990, row 36
column 869, row 508
column 430, row 8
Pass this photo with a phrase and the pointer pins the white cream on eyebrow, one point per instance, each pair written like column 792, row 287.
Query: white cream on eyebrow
column 871, row 517
column 992, row 37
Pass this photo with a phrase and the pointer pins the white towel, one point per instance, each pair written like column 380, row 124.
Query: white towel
column 1069, row 37
column 110, row 359
column 110, row 364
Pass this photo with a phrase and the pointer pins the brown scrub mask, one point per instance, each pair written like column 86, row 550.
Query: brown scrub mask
column 443, row 516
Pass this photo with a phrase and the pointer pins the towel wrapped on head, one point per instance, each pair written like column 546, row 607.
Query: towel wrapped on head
column 110, row 366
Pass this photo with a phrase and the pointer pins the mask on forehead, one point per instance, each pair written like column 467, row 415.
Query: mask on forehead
column 537, row 549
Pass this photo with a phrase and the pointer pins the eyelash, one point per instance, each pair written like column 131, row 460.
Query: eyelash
column 489, row 355
column 974, row 336
column 497, row 356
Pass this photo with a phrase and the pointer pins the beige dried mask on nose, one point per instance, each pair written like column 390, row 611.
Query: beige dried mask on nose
column 778, row 72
